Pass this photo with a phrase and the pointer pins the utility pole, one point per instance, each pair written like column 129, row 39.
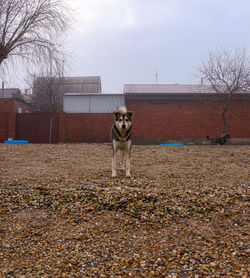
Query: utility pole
column 156, row 77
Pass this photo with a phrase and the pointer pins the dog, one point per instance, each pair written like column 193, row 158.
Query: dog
column 219, row 140
column 121, row 135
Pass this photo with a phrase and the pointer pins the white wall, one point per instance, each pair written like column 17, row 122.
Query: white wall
column 105, row 103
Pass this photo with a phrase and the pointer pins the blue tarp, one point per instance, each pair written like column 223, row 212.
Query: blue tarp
column 16, row 141
column 173, row 144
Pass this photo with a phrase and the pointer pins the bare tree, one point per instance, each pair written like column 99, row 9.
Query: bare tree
column 227, row 74
column 47, row 91
column 129, row 90
column 31, row 29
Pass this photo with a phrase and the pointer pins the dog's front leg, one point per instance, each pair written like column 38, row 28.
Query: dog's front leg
column 114, row 165
column 123, row 160
column 127, row 159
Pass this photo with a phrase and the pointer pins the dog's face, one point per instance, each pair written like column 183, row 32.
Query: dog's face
column 123, row 121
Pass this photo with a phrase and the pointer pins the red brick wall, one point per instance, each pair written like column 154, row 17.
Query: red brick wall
column 152, row 120
column 8, row 109
column 239, row 120
column 7, row 126
column 12, row 125
column 88, row 127
column 62, row 127
column 6, row 105
column 37, row 127
column 3, row 126
column 188, row 119
column 171, row 119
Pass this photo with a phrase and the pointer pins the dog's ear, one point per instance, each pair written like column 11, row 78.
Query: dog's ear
column 130, row 114
column 116, row 114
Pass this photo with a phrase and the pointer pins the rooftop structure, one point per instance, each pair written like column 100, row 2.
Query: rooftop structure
column 84, row 85
column 11, row 93
column 71, row 84
column 48, row 92
column 92, row 103
column 164, row 88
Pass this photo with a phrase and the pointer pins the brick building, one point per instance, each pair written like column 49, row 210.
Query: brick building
column 15, row 105
column 11, row 100
column 11, row 103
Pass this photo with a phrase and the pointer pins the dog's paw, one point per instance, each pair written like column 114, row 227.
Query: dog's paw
column 114, row 176
column 114, row 173
column 128, row 176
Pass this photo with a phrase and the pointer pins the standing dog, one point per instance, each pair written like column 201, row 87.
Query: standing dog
column 121, row 134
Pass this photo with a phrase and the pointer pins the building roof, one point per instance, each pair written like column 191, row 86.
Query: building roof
column 11, row 93
column 82, row 79
column 82, row 84
column 82, row 94
column 164, row 88
column 74, row 79
column 75, row 84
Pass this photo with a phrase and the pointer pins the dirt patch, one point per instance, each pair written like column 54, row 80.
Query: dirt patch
column 183, row 214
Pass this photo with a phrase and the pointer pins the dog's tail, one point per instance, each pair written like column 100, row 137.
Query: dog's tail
column 122, row 110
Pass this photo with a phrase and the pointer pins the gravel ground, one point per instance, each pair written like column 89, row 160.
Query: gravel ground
column 183, row 213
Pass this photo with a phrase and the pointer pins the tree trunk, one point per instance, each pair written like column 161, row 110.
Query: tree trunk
column 224, row 121
column 50, row 129
column 223, row 114
column 3, row 52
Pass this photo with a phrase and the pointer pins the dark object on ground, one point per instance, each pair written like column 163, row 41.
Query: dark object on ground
column 219, row 140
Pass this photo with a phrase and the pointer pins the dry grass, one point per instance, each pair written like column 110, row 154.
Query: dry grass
column 183, row 214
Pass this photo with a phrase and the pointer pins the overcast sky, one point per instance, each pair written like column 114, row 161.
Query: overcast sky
column 127, row 41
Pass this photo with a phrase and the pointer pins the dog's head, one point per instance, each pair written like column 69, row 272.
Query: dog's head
column 123, row 120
